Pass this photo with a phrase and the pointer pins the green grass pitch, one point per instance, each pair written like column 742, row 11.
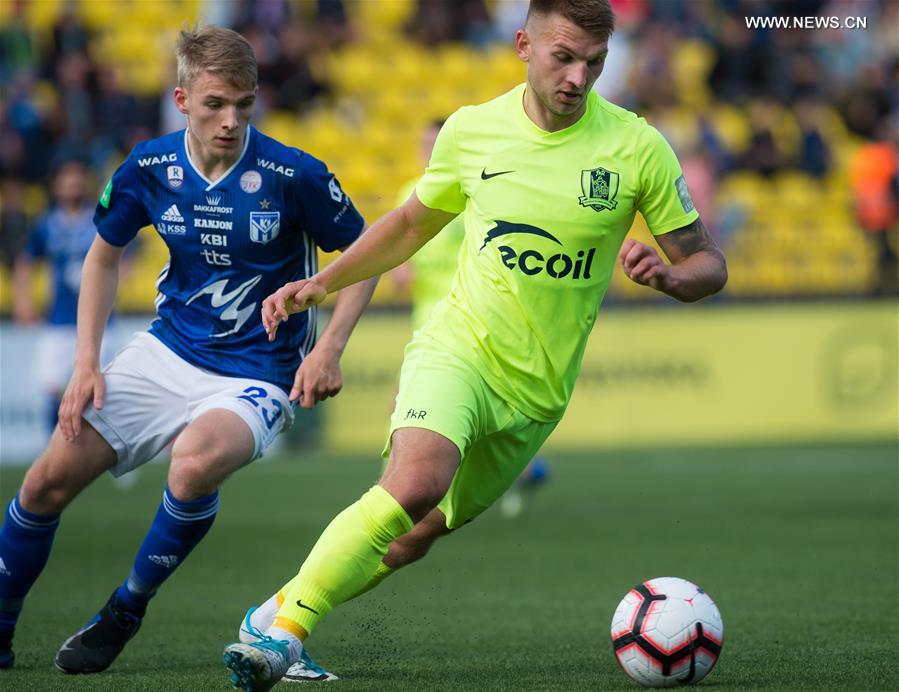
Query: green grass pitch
column 798, row 547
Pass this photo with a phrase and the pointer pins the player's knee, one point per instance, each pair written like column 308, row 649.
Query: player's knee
column 46, row 490
column 419, row 495
column 418, row 492
column 190, row 477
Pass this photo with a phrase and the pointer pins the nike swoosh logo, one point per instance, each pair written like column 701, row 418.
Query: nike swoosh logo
column 486, row 176
column 303, row 605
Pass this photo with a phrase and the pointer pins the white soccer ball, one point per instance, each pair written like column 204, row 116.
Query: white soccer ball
column 667, row 632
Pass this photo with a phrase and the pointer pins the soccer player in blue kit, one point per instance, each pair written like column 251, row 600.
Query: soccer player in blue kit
column 61, row 238
column 241, row 215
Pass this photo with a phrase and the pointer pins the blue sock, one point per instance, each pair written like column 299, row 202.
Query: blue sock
column 25, row 542
column 176, row 529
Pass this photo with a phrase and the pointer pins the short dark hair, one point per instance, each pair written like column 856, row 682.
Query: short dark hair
column 593, row 16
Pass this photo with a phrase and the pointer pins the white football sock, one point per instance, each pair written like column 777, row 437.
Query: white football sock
column 263, row 617
column 293, row 643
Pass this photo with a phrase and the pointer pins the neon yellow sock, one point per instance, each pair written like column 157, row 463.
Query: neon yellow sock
column 380, row 575
column 344, row 562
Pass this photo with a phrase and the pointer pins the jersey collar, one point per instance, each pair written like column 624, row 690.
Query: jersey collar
column 531, row 127
column 210, row 183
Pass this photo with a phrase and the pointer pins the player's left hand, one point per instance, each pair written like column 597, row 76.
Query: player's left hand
column 318, row 376
column 643, row 265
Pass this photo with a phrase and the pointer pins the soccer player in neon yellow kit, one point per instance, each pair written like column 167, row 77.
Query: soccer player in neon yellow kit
column 429, row 272
column 549, row 177
column 429, row 276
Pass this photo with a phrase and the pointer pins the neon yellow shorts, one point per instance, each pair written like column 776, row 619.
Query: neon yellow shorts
column 440, row 392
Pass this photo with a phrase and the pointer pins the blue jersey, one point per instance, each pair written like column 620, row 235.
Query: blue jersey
column 62, row 238
column 232, row 243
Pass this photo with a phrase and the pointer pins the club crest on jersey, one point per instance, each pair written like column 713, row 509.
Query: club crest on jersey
column 250, row 182
column 600, row 187
column 264, row 226
column 176, row 176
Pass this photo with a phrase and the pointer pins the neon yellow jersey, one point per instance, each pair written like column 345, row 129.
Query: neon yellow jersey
column 434, row 266
column 545, row 214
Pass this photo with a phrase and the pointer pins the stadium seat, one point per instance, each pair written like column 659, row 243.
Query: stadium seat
column 43, row 15
column 385, row 16
column 692, row 62
column 731, row 127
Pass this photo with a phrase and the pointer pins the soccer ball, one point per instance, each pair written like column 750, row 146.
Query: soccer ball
column 667, row 632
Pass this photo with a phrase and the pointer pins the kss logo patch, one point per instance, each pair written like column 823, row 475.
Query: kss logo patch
column 264, row 226
column 600, row 187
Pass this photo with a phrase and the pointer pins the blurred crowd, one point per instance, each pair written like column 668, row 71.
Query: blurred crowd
column 767, row 72
column 731, row 99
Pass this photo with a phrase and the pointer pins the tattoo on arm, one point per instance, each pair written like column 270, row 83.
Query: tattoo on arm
column 689, row 240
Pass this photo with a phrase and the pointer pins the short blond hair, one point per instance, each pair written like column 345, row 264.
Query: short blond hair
column 222, row 52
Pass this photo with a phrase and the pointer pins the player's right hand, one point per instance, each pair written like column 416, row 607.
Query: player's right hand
column 86, row 384
column 291, row 298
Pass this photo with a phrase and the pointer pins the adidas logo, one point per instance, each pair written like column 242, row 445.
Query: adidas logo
column 172, row 215
column 164, row 560
column 3, row 569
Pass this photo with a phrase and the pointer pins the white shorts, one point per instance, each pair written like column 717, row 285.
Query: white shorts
column 152, row 394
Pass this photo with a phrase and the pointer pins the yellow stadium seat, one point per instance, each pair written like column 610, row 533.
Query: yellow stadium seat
column 855, row 273
column 148, row 78
column 503, row 67
column 832, row 126
column 731, row 127
column 99, row 15
column 740, row 275
column 680, row 127
column 691, row 64
column 408, row 66
column 777, row 278
column 356, row 69
column 385, row 15
column 398, row 105
column 748, row 191
column 322, row 138
column 456, row 63
column 153, row 14
column 43, row 15
column 36, row 200
column 786, row 131
column 799, row 186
